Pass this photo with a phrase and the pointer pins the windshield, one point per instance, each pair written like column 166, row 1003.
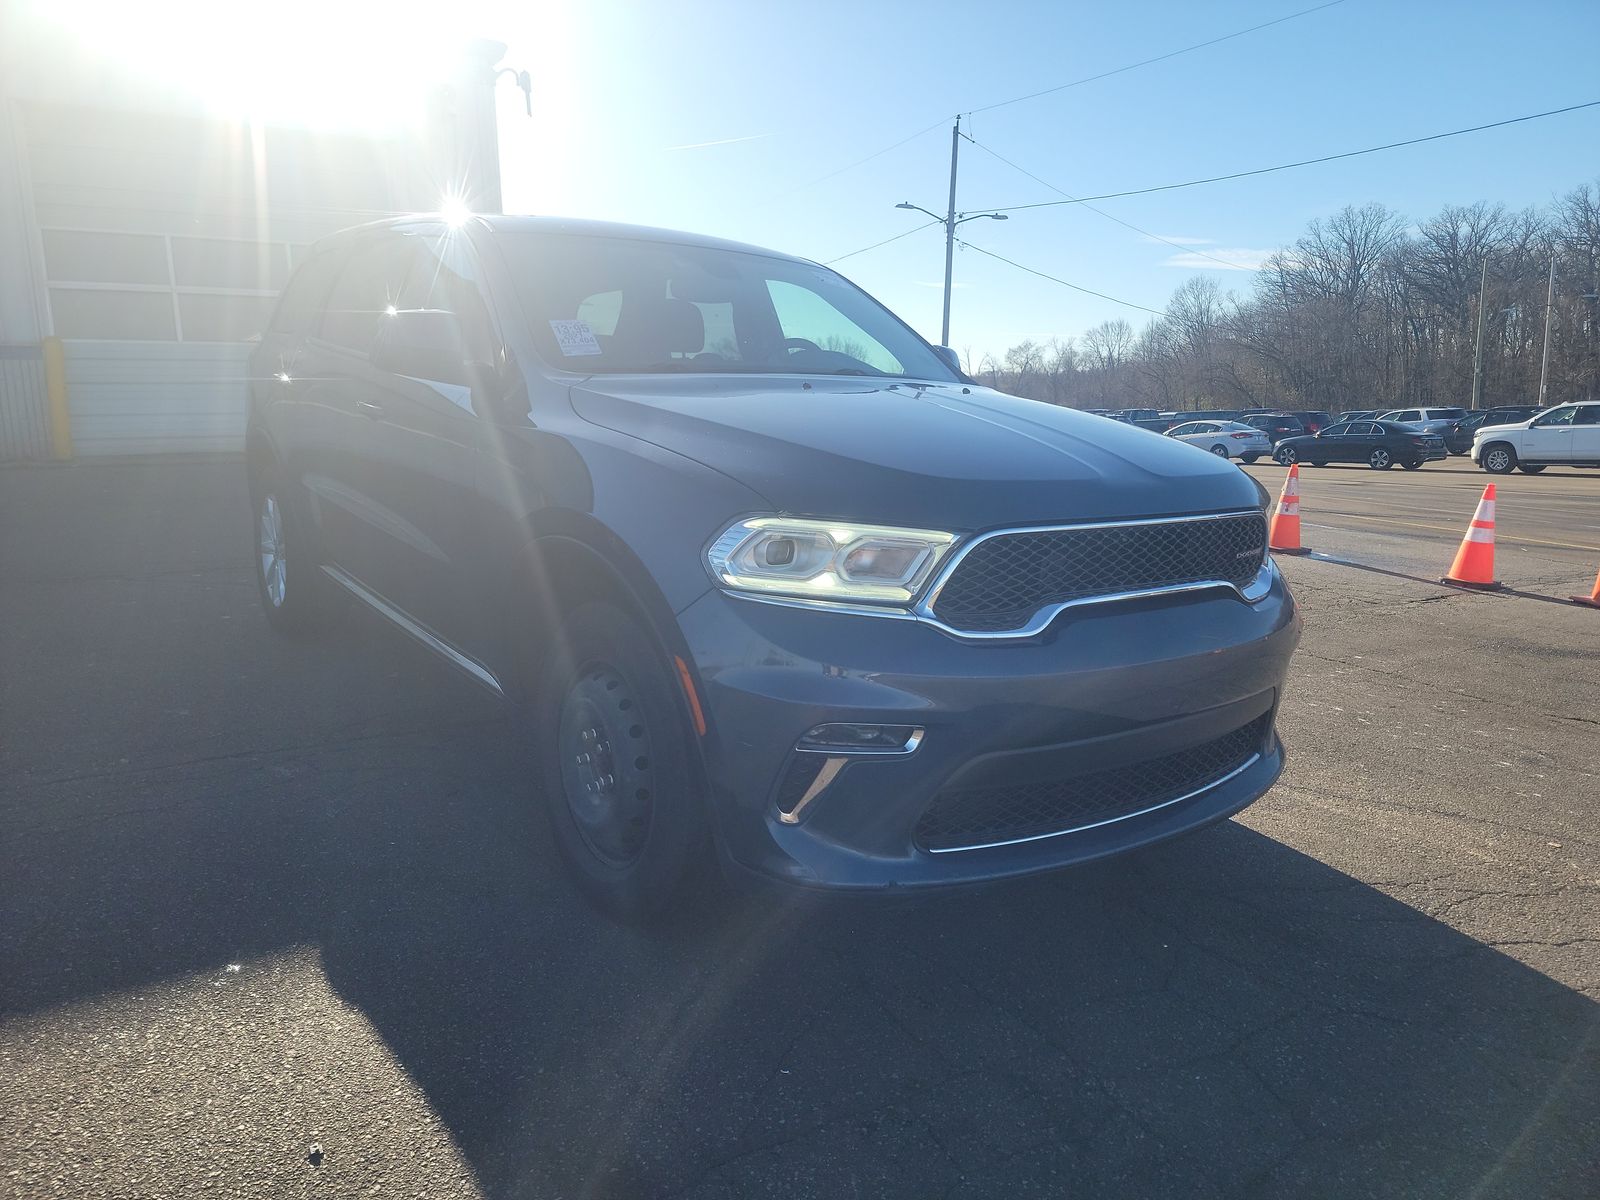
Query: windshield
column 624, row 305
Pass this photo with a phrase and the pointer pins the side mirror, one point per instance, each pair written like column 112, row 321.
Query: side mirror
column 950, row 357
column 424, row 343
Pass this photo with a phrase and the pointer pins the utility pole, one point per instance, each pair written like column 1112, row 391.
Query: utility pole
column 950, row 220
column 950, row 230
column 1549, row 309
column 1477, row 353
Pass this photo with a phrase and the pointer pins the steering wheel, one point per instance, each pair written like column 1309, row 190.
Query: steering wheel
column 800, row 344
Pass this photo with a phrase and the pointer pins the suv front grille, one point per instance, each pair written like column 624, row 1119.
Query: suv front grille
column 1005, row 579
column 964, row 818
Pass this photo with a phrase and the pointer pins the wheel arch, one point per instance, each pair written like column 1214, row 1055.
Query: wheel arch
column 570, row 558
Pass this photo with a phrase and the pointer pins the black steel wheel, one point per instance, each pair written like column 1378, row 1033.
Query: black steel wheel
column 608, row 777
column 617, row 766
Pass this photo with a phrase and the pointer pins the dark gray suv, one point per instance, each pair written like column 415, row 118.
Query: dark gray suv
column 771, row 584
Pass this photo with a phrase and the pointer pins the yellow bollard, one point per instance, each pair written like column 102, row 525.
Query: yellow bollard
column 55, row 383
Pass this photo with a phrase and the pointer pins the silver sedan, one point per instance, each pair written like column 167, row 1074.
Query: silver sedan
column 1226, row 439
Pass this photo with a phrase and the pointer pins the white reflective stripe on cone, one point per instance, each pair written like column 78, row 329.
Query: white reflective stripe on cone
column 1480, row 535
column 1485, row 511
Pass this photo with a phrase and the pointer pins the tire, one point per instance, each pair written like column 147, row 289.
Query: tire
column 1531, row 468
column 615, row 767
column 1412, row 466
column 292, row 590
column 1220, row 451
column 1248, row 458
column 1498, row 459
column 1380, row 459
column 1285, row 456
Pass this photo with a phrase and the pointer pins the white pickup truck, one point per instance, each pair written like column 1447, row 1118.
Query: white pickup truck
column 1566, row 435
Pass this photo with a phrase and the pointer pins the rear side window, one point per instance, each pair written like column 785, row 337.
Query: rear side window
column 371, row 282
column 1588, row 415
column 302, row 299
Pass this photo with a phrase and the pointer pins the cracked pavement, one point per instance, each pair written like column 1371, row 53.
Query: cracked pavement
column 258, row 895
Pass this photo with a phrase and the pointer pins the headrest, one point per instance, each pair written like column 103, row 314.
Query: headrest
column 655, row 329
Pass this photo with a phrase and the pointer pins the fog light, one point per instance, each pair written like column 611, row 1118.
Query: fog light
column 862, row 739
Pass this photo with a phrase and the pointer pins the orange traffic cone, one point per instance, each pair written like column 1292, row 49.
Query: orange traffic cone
column 1284, row 536
column 1592, row 600
column 1474, row 564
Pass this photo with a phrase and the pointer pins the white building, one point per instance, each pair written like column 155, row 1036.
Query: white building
column 151, row 237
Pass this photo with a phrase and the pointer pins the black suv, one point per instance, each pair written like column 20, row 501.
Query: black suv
column 770, row 582
column 1276, row 425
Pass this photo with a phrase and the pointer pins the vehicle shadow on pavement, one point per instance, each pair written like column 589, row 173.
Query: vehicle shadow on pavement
column 1222, row 1016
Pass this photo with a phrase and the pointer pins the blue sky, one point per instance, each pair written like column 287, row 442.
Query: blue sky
column 627, row 93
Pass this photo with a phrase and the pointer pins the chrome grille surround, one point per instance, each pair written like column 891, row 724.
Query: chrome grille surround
column 1025, row 577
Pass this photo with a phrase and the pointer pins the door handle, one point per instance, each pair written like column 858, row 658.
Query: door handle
column 369, row 409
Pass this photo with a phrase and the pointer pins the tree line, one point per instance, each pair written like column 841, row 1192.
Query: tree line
column 1364, row 310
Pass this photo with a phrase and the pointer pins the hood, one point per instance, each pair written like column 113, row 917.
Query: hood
column 1483, row 429
column 936, row 456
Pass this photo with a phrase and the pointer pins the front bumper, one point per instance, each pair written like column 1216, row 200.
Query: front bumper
column 1122, row 682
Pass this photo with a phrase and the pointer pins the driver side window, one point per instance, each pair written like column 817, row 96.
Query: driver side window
column 806, row 316
column 1559, row 416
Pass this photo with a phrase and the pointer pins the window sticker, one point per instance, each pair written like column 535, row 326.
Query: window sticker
column 575, row 338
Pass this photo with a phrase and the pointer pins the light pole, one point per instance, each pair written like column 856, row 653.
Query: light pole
column 950, row 220
column 1549, row 308
column 1477, row 351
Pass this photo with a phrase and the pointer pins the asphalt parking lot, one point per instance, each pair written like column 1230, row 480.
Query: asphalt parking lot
column 259, row 896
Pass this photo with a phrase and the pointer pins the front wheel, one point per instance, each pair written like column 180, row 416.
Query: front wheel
column 1248, row 458
column 1285, row 456
column 1380, row 459
column 1532, row 468
column 616, row 767
column 1498, row 459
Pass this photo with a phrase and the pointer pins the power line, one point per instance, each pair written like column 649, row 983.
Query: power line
column 875, row 154
column 1148, row 61
column 1063, row 87
column 1100, row 211
column 1305, row 162
column 1053, row 279
column 885, row 242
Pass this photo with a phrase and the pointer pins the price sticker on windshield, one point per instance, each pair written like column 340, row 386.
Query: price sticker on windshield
column 575, row 338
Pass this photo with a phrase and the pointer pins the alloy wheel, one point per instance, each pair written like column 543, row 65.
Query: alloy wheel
column 269, row 541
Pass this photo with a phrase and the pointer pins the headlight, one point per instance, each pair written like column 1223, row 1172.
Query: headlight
column 840, row 561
